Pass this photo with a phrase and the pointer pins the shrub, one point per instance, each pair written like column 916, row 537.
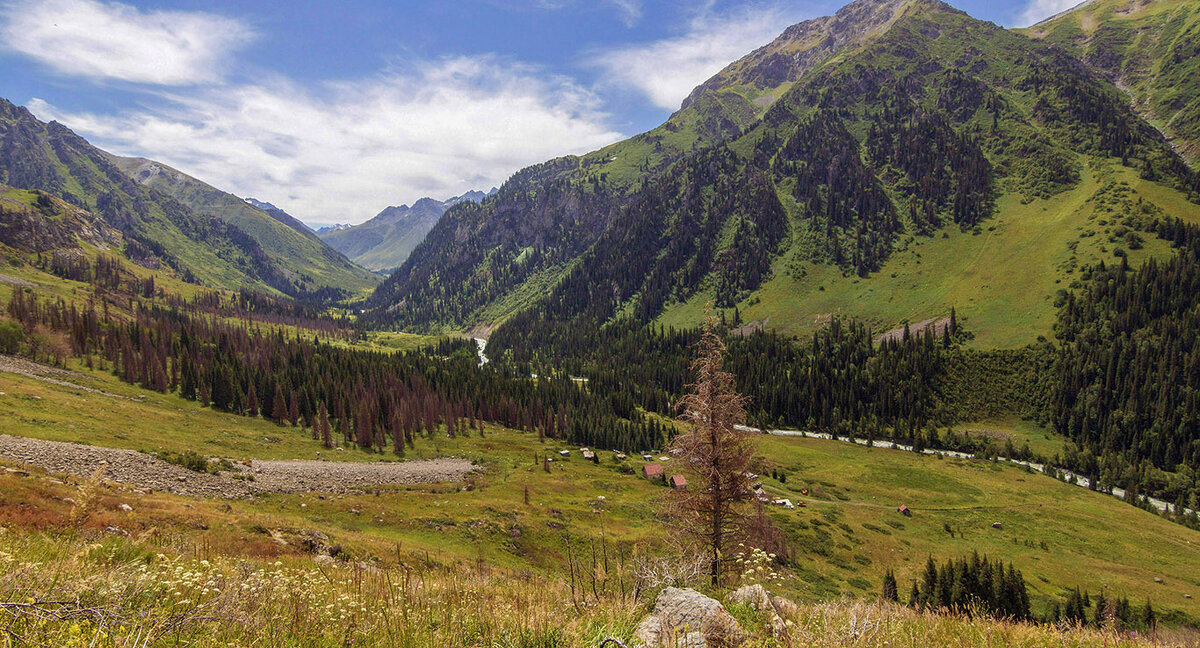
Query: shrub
column 11, row 336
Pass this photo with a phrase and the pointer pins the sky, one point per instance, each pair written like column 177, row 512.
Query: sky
column 333, row 110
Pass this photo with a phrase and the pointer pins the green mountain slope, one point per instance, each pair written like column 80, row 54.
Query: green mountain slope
column 1151, row 48
column 157, row 229
column 289, row 244
column 930, row 135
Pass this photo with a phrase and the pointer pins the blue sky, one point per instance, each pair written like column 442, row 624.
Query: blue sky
column 335, row 110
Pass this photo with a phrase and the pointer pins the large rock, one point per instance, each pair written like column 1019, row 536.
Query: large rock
column 775, row 608
column 685, row 618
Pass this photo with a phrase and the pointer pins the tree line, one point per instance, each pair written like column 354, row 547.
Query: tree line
column 376, row 401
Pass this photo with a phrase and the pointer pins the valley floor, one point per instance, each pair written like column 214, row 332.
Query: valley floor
column 520, row 515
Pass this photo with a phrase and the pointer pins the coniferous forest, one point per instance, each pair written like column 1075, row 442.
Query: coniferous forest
column 373, row 400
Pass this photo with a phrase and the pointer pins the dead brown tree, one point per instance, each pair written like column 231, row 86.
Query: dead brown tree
column 717, row 451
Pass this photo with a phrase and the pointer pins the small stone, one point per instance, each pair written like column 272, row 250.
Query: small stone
column 125, row 507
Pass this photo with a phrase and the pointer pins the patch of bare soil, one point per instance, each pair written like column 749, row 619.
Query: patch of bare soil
column 938, row 325
column 751, row 327
column 16, row 281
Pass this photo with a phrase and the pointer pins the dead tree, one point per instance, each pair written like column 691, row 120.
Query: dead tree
column 719, row 452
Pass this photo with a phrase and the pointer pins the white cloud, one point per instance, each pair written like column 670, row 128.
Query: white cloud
column 629, row 10
column 1039, row 10
column 666, row 71
column 113, row 41
column 341, row 154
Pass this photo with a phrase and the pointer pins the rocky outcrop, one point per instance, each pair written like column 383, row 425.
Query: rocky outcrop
column 685, row 618
column 804, row 46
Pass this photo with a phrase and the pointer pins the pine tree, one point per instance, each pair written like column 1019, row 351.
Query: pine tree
column 323, row 424
column 890, row 592
column 1149, row 618
column 279, row 408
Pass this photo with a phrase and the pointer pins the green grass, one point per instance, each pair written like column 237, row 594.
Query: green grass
column 1091, row 541
column 391, row 341
column 149, row 421
column 1042, row 440
column 153, row 593
column 847, row 535
column 1002, row 279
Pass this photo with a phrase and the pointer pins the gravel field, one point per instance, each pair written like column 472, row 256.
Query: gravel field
column 144, row 471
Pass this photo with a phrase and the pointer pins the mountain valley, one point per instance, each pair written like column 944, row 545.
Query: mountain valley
column 888, row 336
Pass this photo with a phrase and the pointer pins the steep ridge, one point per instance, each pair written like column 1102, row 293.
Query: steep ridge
column 925, row 124
column 289, row 243
column 279, row 215
column 156, row 228
column 385, row 241
column 1150, row 48
column 762, row 73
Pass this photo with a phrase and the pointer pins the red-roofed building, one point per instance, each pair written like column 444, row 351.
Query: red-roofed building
column 678, row 482
column 653, row 470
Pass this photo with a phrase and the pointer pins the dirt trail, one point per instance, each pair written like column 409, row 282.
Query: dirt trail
column 144, row 471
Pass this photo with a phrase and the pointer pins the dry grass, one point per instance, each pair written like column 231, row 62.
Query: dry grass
column 113, row 592
column 71, row 590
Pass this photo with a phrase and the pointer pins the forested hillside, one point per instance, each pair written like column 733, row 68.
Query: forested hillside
column 1128, row 379
column 920, row 130
column 1149, row 48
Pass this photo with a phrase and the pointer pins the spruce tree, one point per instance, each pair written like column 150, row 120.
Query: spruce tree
column 889, row 587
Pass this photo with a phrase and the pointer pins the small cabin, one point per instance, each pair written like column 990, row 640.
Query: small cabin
column 678, row 482
column 652, row 471
column 564, row 453
column 903, row 510
column 619, row 455
column 997, row 525
column 589, row 455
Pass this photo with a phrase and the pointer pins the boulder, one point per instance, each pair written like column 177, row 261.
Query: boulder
column 685, row 618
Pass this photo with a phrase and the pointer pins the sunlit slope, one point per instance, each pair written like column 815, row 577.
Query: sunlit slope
column 1002, row 280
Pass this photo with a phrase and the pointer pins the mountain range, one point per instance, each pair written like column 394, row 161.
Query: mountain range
column 169, row 220
column 385, row 241
column 890, row 162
